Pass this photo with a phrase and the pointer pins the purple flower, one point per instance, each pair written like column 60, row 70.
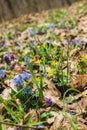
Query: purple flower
column 8, row 57
column 48, row 101
column 3, row 44
column 74, row 42
column 17, row 47
column 2, row 74
column 7, row 60
column 61, row 24
column 12, row 57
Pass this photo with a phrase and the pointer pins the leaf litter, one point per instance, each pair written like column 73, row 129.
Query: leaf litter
column 51, row 47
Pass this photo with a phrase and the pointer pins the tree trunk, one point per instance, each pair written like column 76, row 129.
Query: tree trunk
column 13, row 8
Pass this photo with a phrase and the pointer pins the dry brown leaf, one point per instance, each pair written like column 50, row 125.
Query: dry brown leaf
column 79, row 107
column 82, row 126
column 51, row 91
column 33, row 114
column 80, row 82
column 57, row 121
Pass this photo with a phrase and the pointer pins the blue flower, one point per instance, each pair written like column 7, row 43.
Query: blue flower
column 45, row 75
column 52, row 25
column 26, row 59
column 25, row 76
column 71, row 113
column 31, row 33
column 27, row 90
column 80, row 43
column 7, row 53
column 18, row 81
column 67, row 41
column 49, row 43
column 2, row 74
column 40, row 125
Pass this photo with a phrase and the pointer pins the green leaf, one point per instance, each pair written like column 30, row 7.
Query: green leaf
column 46, row 115
column 0, row 127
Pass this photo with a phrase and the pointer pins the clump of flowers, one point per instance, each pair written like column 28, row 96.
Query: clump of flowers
column 18, row 81
column 74, row 42
column 22, row 80
column 38, row 62
column 53, row 63
column 51, row 72
column 84, row 59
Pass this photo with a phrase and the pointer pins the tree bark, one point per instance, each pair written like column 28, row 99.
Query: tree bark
column 13, row 8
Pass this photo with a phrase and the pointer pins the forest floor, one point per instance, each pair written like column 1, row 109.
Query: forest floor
column 43, row 70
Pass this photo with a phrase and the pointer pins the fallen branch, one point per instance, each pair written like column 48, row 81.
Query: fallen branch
column 23, row 126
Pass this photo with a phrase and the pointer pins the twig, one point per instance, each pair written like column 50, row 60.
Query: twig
column 23, row 126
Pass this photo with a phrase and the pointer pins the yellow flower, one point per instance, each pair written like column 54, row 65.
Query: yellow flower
column 38, row 79
column 31, row 60
column 84, row 95
column 30, row 80
column 38, row 47
column 84, row 58
column 51, row 72
column 53, row 63
column 38, row 62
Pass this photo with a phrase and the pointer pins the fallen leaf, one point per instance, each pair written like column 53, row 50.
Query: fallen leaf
column 52, row 92
column 57, row 121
